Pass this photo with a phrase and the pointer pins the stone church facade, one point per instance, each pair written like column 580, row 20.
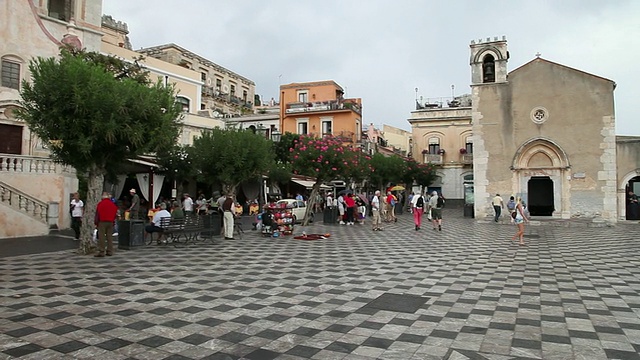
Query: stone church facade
column 545, row 132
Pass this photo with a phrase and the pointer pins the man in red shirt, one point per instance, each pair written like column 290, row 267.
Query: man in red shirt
column 105, row 216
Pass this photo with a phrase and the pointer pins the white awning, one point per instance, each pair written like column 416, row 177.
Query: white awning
column 308, row 184
column 145, row 163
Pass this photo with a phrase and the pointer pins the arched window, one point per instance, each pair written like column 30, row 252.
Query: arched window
column 488, row 69
column 184, row 102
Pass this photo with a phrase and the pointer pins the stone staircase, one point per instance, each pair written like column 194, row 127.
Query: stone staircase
column 34, row 195
column 28, row 205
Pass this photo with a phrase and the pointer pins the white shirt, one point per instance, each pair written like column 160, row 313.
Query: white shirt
column 375, row 203
column 188, row 204
column 78, row 206
column 157, row 218
column 414, row 200
column 329, row 200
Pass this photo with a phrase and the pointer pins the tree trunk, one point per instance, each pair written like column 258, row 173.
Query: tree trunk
column 311, row 202
column 95, row 182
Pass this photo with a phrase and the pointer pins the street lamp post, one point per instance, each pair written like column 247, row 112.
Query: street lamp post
column 276, row 136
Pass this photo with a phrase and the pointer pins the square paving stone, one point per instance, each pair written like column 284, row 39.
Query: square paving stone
column 398, row 303
column 70, row 346
column 23, row 350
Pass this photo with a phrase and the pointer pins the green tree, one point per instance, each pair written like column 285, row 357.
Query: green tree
column 422, row 174
column 323, row 159
column 386, row 169
column 97, row 111
column 284, row 146
column 231, row 156
column 177, row 164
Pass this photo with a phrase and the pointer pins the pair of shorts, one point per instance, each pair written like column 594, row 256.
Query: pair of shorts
column 436, row 214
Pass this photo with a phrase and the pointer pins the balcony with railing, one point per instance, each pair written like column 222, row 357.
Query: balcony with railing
column 301, row 107
column 433, row 158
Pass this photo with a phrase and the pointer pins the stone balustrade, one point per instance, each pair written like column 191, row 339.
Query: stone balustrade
column 24, row 203
column 32, row 164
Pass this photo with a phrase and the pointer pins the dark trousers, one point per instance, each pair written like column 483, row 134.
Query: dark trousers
column 350, row 211
column 498, row 210
column 76, row 222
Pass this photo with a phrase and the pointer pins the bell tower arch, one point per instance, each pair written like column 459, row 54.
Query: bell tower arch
column 489, row 61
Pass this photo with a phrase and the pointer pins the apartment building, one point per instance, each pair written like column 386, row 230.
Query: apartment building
column 319, row 108
column 224, row 93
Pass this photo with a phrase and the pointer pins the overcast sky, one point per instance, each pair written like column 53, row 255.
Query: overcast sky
column 381, row 50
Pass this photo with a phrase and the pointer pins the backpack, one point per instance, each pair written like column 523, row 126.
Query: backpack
column 511, row 205
column 440, row 203
column 420, row 202
column 393, row 200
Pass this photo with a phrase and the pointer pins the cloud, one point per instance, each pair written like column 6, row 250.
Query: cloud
column 381, row 50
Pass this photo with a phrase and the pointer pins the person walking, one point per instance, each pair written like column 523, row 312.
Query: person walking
column 227, row 208
column 375, row 211
column 187, row 205
column 436, row 203
column 417, row 209
column 134, row 208
column 105, row 216
column 77, row 211
column 511, row 207
column 520, row 219
column 498, row 204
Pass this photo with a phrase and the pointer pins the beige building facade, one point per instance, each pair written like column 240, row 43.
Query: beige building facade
column 35, row 191
column 442, row 136
column 544, row 132
column 224, row 93
column 399, row 139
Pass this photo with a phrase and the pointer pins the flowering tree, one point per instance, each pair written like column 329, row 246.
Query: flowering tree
column 359, row 168
column 323, row 159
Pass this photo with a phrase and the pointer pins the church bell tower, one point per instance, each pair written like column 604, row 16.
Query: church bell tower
column 489, row 61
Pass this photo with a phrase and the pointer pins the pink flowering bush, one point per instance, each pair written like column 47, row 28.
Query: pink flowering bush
column 324, row 158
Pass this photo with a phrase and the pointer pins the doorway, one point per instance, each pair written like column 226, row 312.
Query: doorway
column 631, row 199
column 11, row 139
column 540, row 190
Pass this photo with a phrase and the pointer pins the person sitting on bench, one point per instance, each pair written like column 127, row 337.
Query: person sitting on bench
column 156, row 222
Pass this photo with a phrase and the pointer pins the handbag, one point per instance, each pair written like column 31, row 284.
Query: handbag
column 429, row 214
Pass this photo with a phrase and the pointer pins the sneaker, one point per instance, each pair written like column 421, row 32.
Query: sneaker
column 115, row 233
column 439, row 228
column 341, row 222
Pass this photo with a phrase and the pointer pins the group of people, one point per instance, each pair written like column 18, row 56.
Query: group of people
column 431, row 205
column 517, row 214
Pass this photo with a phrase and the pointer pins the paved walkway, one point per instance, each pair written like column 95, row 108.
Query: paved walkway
column 464, row 293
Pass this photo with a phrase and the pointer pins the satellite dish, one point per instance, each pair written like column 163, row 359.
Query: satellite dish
column 225, row 88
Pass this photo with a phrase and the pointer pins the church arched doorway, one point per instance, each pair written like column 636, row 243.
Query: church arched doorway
column 632, row 192
column 540, row 169
column 541, row 196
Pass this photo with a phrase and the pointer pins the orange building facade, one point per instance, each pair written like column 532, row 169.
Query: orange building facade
column 319, row 109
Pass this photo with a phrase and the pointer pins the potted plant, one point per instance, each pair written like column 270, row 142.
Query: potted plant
column 425, row 151
column 441, row 151
column 463, row 151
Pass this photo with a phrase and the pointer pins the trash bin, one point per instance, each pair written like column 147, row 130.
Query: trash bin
column 130, row 234
column 468, row 211
column 212, row 224
column 330, row 215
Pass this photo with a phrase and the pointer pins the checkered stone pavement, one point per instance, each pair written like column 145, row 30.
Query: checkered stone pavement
column 466, row 292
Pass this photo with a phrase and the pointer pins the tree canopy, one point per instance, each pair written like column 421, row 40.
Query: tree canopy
column 231, row 156
column 96, row 111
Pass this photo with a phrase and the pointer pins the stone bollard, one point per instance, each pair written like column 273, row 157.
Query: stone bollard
column 52, row 215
